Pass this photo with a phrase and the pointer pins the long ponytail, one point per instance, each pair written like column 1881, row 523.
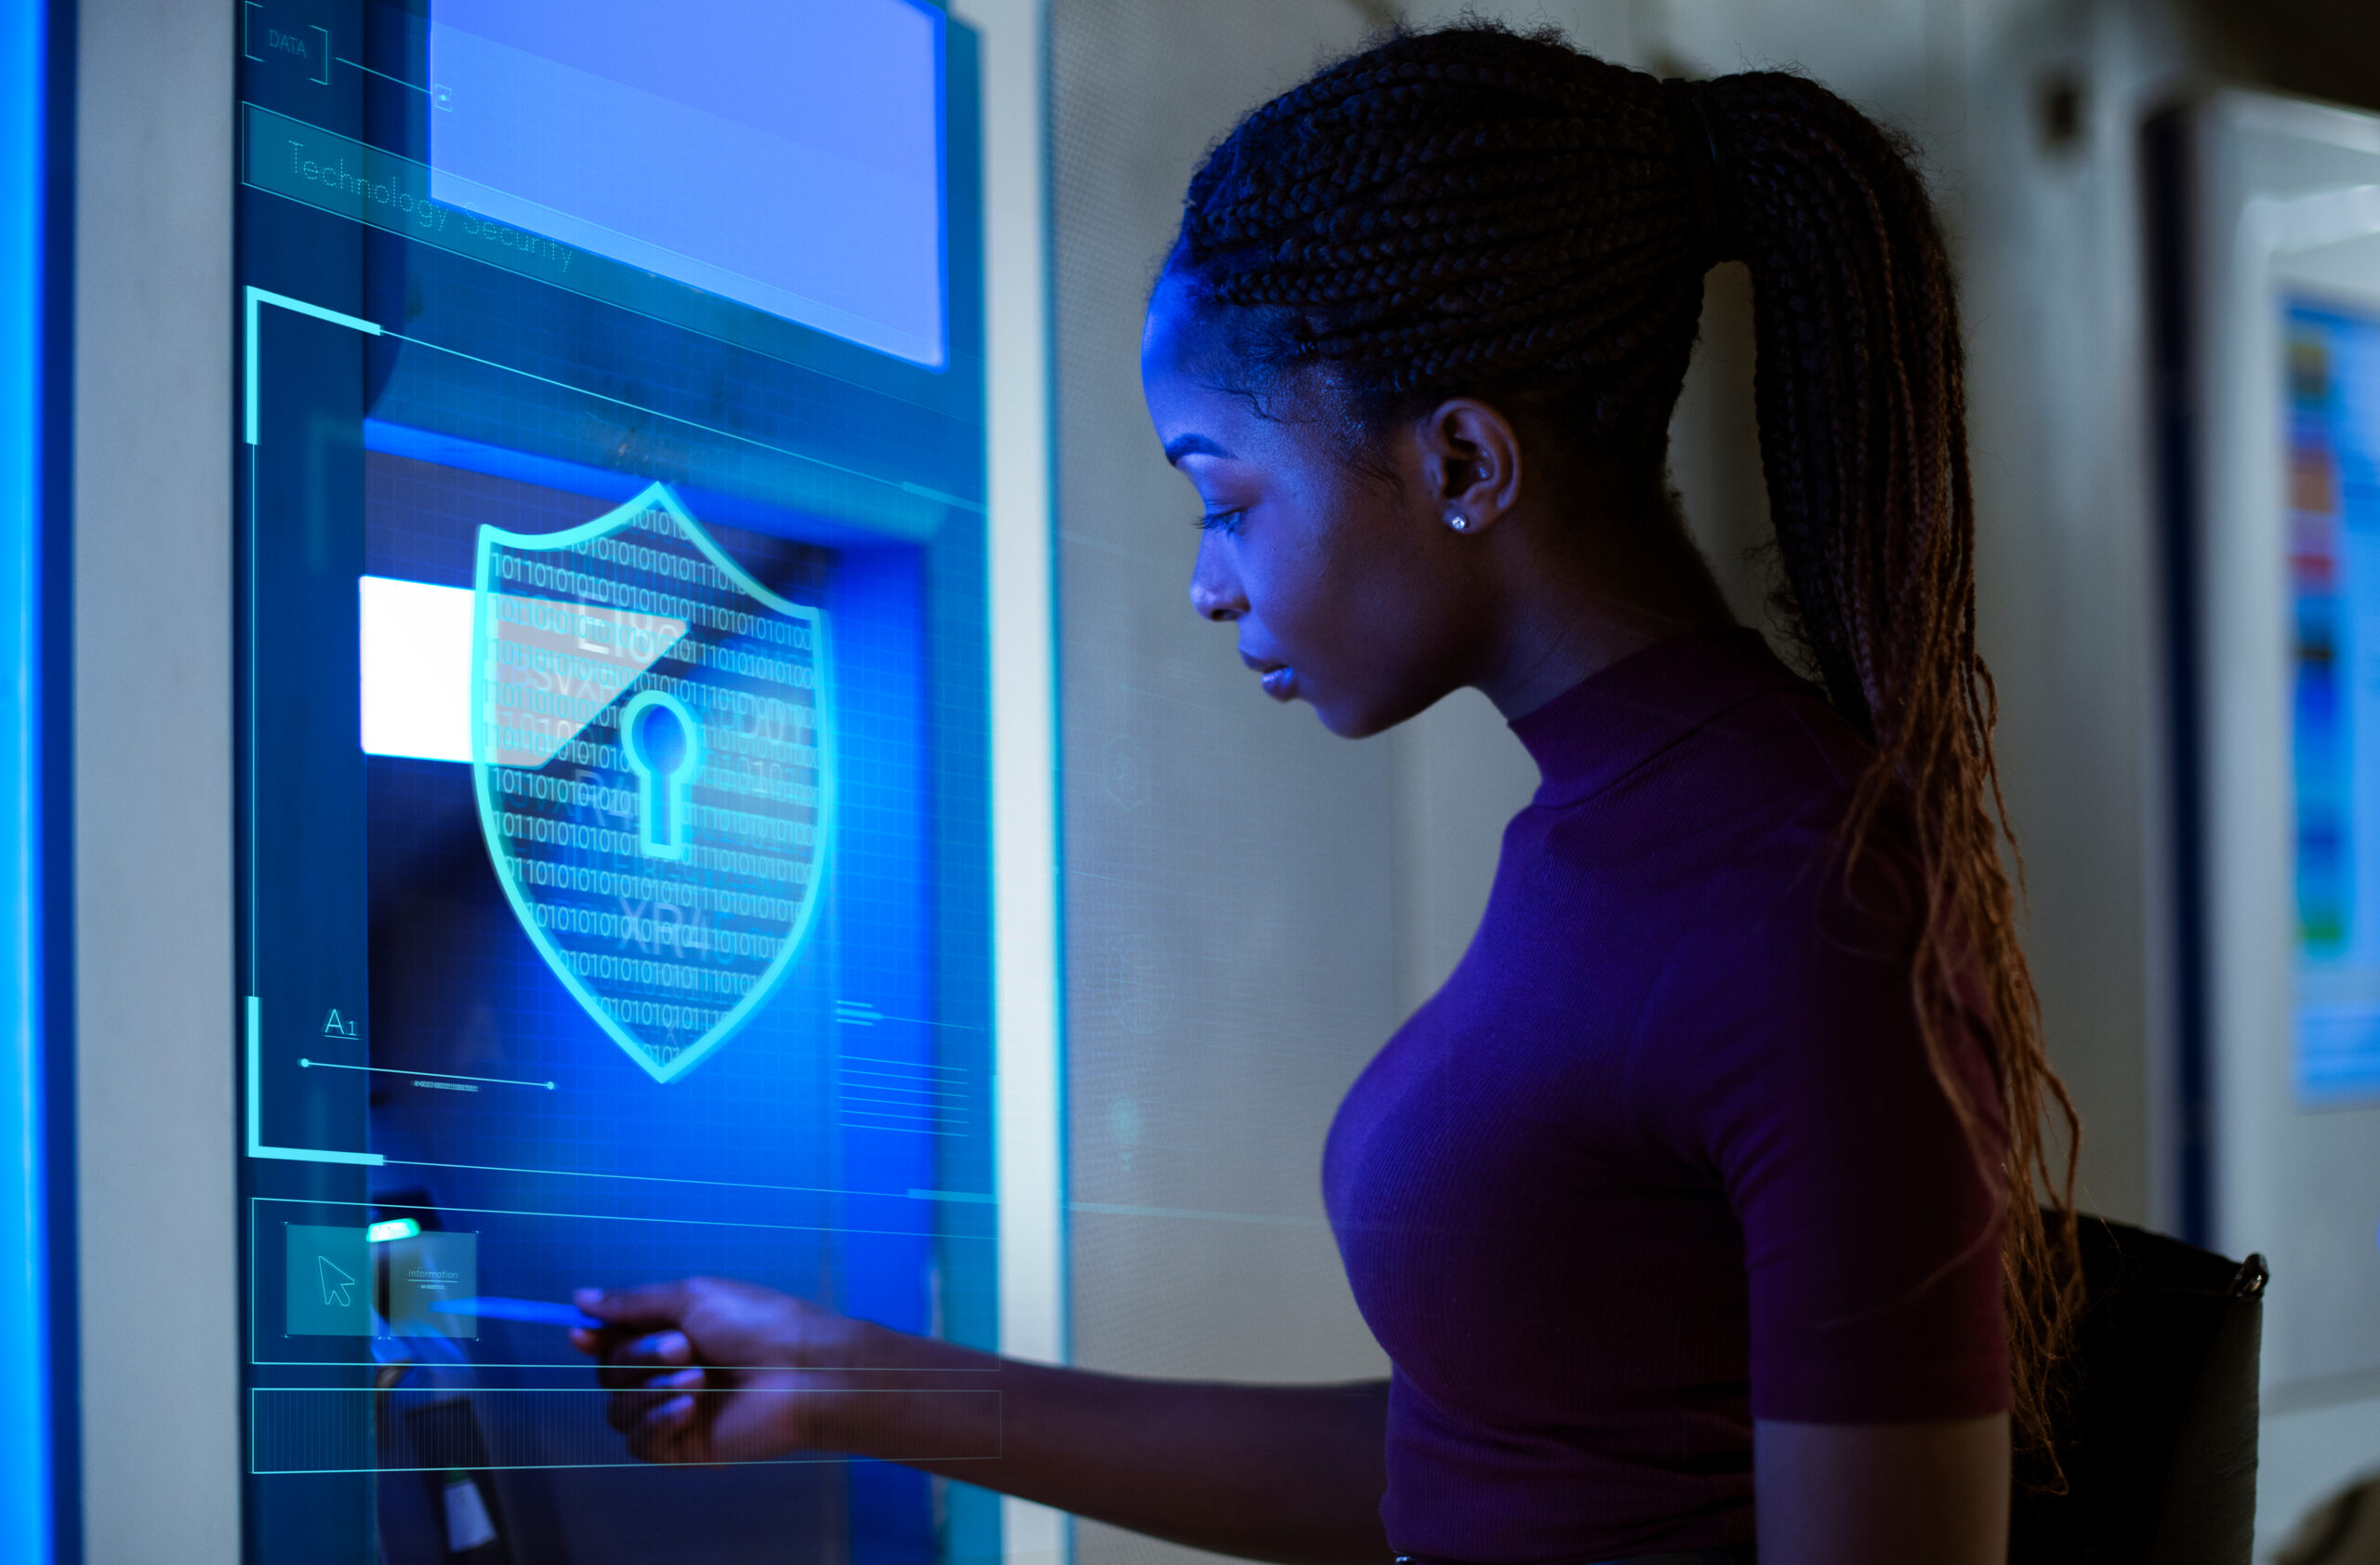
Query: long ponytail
column 1477, row 211
column 1859, row 386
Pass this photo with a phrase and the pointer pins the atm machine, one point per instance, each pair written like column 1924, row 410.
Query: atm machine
column 2268, row 305
column 616, row 769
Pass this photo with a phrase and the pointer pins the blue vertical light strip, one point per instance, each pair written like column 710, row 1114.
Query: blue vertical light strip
column 26, row 1530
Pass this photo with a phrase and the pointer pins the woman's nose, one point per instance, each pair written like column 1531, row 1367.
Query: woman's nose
column 1214, row 589
column 1207, row 603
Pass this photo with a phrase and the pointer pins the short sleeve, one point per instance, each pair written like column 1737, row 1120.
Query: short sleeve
column 1781, row 1049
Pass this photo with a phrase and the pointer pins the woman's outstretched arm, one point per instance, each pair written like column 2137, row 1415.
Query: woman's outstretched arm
column 711, row 1370
column 1882, row 1494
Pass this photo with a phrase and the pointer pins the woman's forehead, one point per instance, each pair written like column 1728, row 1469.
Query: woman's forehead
column 1180, row 338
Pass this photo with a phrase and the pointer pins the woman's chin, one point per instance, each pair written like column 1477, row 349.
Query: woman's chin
column 1351, row 720
column 1376, row 711
column 1350, row 714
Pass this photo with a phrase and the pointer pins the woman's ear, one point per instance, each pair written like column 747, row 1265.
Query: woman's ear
column 1471, row 463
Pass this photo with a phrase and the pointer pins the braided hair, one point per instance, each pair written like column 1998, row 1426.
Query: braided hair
column 1474, row 211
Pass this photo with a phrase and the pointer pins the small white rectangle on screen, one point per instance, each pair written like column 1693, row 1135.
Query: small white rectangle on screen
column 416, row 696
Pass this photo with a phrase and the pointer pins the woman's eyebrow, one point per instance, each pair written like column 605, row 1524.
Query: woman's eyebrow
column 1191, row 445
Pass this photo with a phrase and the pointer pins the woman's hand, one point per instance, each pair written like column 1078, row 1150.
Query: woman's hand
column 706, row 1370
column 711, row 1370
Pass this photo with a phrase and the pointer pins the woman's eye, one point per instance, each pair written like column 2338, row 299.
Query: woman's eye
column 1226, row 521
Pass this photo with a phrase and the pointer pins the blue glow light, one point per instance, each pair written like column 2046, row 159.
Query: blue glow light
column 25, row 1431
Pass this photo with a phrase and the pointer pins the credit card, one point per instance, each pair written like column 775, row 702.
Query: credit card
column 536, row 1310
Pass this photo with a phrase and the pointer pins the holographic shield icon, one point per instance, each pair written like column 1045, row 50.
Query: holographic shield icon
column 652, row 745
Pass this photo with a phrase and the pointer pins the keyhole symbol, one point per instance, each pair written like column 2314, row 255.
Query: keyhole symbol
column 663, row 748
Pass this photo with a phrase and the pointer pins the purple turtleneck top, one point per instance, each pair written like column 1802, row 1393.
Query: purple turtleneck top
column 1665, row 1155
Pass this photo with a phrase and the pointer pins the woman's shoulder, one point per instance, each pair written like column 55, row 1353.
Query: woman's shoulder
column 1755, row 793
column 1785, row 745
column 1696, row 809
column 1706, row 723
column 1790, row 929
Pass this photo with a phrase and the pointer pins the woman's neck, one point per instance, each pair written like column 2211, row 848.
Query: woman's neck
column 1581, row 587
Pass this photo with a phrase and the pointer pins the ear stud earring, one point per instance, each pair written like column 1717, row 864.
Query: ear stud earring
column 1459, row 522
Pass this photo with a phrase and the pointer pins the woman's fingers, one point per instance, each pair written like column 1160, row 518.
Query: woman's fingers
column 631, row 1361
column 625, row 1410
column 651, row 1346
column 638, row 1392
column 658, row 1350
column 662, row 1428
column 666, row 1431
column 658, row 1304
column 647, row 1362
column 630, row 1315
column 661, row 1347
column 633, row 1412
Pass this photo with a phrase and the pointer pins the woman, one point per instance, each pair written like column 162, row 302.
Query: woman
column 1697, row 1211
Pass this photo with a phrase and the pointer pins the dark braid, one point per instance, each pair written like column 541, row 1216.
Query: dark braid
column 1477, row 211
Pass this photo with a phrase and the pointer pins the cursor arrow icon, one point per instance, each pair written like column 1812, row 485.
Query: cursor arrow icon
column 335, row 1282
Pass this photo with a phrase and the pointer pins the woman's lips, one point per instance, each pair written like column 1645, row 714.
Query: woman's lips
column 1280, row 679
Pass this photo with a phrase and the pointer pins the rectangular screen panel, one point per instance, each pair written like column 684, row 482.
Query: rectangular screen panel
column 614, row 795
column 786, row 155
column 2333, row 489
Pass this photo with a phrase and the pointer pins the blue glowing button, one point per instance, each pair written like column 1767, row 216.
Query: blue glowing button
column 426, row 1271
column 329, row 1288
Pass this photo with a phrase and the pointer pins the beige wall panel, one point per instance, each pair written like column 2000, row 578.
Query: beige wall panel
column 1229, row 945
column 2053, row 283
column 153, row 762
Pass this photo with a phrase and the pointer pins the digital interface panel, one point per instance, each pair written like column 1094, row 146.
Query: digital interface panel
column 725, row 144
column 614, row 803
column 2334, row 445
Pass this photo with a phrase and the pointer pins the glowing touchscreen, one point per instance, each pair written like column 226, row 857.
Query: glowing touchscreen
column 614, row 803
